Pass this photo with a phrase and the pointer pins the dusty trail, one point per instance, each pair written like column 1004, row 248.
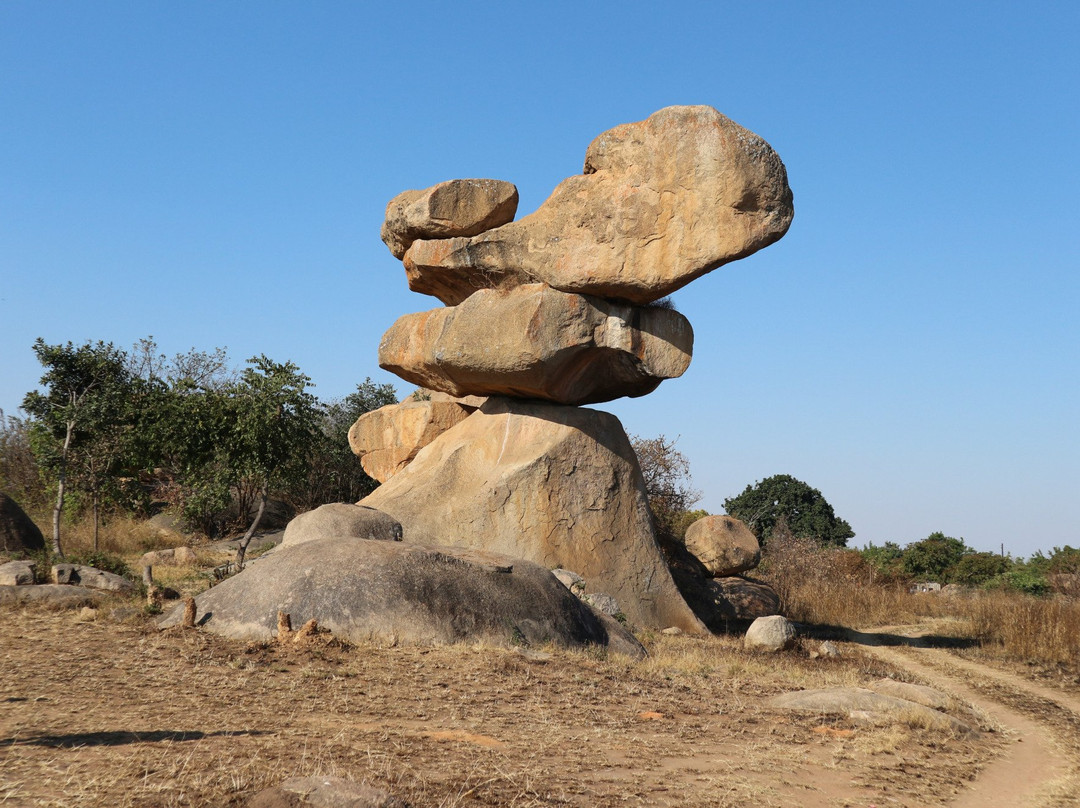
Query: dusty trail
column 1040, row 765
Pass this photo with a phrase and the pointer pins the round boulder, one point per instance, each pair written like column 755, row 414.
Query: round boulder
column 340, row 520
column 724, row 545
column 774, row 633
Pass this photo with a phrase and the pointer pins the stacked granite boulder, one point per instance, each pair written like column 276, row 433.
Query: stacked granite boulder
column 559, row 309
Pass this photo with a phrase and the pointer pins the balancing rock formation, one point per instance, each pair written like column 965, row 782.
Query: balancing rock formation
column 549, row 312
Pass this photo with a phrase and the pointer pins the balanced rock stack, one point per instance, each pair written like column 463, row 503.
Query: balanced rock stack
column 559, row 309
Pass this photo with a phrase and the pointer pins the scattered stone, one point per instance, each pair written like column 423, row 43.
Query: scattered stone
column 340, row 520
column 536, row 342
column 86, row 614
column 846, row 700
column 58, row 596
column 723, row 544
column 387, row 439
column 827, row 650
column 324, row 792
column 558, row 486
column 774, row 633
column 662, row 202
column 602, row 603
column 364, row 589
column 91, row 577
column 571, row 580
column 452, row 208
column 17, row 573
column 672, row 631
column 18, row 533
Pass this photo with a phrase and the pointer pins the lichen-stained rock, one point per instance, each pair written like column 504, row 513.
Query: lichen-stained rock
column 397, row 591
column 662, row 202
column 453, row 208
column 533, row 341
column 559, row 486
column 723, row 544
column 387, row 439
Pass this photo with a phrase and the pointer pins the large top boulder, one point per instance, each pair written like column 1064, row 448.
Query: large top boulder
column 661, row 202
column 362, row 589
column 559, row 486
column 18, row 533
column 536, row 342
column 723, row 544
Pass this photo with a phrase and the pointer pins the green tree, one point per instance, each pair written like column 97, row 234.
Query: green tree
column 934, row 558
column 784, row 499
column 885, row 560
column 275, row 418
column 79, row 417
column 976, row 569
column 330, row 472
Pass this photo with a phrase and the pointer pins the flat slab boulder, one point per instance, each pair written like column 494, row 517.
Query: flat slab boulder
column 559, row 486
column 17, row 573
column 91, row 578
column 387, row 439
column 324, row 792
column 362, row 589
column 723, row 544
column 341, row 520
column 536, row 342
column 849, row 700
column 56, row 596
column 660, row 203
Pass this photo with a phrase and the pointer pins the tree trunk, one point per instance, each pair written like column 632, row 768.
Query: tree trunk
column 241, row 548
column 61, row 483
column 95, row 521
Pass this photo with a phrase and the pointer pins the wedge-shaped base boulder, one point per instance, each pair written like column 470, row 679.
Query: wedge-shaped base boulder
column 363, row 589
column 662, row 202
column 559, row 486
column 536, row 342
column 387, row 439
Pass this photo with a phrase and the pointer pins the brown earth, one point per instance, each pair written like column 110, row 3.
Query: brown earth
column 99, row 712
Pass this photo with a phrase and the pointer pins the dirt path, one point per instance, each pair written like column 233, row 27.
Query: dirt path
column 1039, row 767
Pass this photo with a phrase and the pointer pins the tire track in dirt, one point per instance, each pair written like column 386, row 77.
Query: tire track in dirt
column 1034, row 770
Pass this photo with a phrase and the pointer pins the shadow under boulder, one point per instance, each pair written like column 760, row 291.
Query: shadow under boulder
column 363, row 589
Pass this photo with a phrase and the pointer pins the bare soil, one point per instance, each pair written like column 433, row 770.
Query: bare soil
column 99, row 712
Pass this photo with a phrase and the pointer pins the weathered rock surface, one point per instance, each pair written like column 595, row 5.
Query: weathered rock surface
column 774, row 633
column 18, row 533
column 91, row 577
column 361, row 589
column 847, row 700
column 340, row 520
column 17, row 573
column 920, row 694
column 739, row 598
column 387, row 439
column 324, row 792
column 536, row 342
column 58, row 596
column 662, row 202
column 452, row 208
column 723, row 544
column 559, row 486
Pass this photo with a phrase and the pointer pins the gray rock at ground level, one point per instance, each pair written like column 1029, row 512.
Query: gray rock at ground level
column 920, row 694
column 773, row 633
column 827, row 650
column 18, row 533
column 340, row 520
column 324, row 792
column 723, row 544
column 91, row 577
column 17, row 573
column 602, row 603
column 451, row 208
column 58, row 596
column 847, row 700
column 363, row 589
column 571, row 580
column 559, row 486
column 170, row 557
column 537, row 342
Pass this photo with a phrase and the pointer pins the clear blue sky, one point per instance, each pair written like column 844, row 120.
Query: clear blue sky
column 215, row 174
